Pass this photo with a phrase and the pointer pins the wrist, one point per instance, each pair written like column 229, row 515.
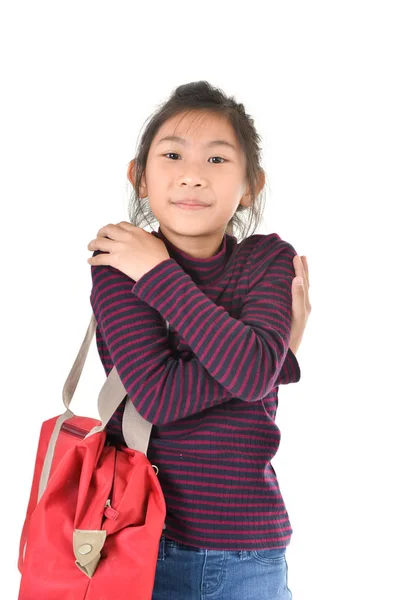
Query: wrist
column 294, row 344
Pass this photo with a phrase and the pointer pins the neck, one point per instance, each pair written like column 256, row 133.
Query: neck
column 195, row 246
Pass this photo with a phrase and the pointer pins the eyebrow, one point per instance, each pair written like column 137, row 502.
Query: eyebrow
column 175, row 138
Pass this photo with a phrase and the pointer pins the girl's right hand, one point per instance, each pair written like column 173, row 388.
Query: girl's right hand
column 301, row 307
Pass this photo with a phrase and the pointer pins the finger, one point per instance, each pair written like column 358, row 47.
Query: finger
column 101, row 243
column 307, row 284
column 301, row 269
column 298, row 266
column 298, row 303
column 305, row 266
column 109, row 230
column 303, row 272
column 101, row 259
column 127, row 225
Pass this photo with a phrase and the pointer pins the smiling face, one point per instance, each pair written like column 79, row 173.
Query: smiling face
column 200, row 166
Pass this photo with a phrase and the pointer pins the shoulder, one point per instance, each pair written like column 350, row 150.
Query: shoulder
column 270, row 254
column 264, row 247
column 269, row 241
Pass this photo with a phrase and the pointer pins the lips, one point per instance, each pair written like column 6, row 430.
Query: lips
column 191, row 202
column 192, row 207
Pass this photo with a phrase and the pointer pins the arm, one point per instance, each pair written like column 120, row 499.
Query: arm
column 163, row 388
column 266, row 317
column 290, row 372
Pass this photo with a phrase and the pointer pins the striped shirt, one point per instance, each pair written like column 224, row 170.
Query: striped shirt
column 209, row 385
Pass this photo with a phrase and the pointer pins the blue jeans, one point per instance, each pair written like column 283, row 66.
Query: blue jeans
column 189, row 573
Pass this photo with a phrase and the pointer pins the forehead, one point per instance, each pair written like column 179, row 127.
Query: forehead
column 198, row 127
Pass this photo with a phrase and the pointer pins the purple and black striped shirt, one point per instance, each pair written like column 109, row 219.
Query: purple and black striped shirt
column 210, row 387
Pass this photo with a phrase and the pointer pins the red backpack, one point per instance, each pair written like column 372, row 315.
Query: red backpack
column 96, row 511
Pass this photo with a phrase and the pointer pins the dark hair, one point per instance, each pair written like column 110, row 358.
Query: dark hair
column 200, row 95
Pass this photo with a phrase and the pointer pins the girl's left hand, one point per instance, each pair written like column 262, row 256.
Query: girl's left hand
column 132, row 250
column 301, row 307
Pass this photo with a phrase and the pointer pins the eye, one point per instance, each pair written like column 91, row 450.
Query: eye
column 171, row 153
column 176, row 154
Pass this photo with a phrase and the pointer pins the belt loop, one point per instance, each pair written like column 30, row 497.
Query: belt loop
column 161, row 548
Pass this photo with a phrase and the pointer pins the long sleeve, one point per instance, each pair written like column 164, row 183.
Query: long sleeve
column 233, row 358
column 289, row 373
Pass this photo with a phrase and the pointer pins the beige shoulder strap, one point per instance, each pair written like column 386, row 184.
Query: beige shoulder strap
column 136, row 430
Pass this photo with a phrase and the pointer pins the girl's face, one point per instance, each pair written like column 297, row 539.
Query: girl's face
column 196, row 167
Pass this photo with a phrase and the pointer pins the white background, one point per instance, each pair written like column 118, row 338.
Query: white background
column 321, row 80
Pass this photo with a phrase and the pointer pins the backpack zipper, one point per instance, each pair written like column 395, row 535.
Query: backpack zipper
column 109, row 511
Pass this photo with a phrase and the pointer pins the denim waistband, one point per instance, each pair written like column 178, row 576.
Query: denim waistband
column 166, row 542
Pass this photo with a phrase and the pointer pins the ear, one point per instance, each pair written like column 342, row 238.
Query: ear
column 132, row 178
column 246, row 200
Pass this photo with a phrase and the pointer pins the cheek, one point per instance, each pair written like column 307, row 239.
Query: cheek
column 158, row 178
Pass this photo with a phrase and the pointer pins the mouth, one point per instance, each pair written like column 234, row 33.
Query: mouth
column 188, row 206
column 192, row 201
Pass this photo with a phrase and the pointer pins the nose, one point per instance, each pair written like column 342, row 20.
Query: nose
column 192, row 176
column 190, row 183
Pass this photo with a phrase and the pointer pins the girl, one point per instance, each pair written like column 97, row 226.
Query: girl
column 210, row 384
